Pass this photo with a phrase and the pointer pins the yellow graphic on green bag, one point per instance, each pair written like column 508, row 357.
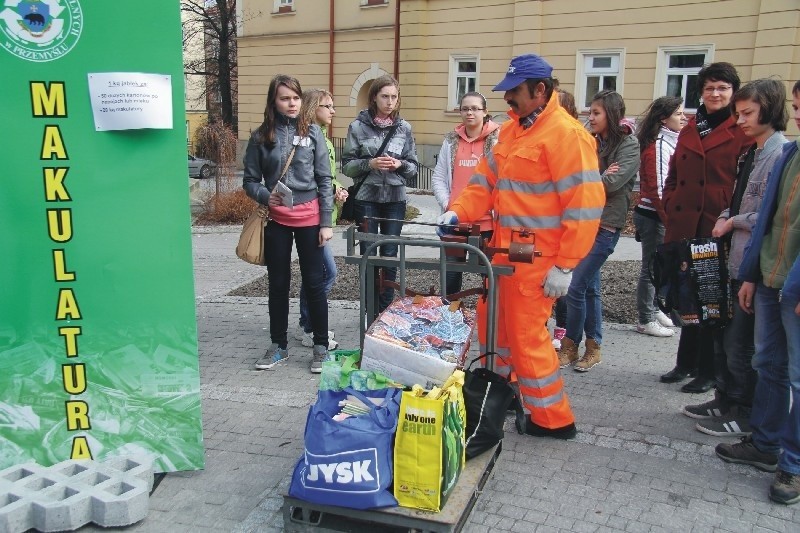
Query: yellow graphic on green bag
column 429, row 446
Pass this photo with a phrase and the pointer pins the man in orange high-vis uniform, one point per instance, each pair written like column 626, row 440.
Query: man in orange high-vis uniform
column 542, row 175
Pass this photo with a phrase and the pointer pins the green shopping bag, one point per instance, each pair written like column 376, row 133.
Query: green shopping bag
column 342, row 372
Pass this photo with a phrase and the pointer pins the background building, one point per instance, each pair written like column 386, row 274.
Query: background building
column 439, row 49
column 194, row 86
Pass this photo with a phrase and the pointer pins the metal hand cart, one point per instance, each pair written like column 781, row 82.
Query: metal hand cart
column 299, row 515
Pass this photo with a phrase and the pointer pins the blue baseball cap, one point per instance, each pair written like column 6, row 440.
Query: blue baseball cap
column 524, row 67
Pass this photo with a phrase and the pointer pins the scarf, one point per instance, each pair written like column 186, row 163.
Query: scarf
column 383, row 122
column 707, row 122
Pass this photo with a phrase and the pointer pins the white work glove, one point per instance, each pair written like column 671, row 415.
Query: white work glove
column 448, row 218
column 556, row 282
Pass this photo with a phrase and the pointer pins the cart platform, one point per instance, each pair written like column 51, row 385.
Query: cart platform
column 299, row 515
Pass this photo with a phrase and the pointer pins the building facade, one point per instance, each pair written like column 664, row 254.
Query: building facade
column 194, row 86
column 438, row 49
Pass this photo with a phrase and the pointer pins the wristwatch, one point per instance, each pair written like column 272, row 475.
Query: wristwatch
column 564, row 270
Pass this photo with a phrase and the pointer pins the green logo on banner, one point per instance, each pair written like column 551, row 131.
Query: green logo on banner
column 40, row 30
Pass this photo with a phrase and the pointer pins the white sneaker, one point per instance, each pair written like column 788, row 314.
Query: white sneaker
column 655, row 329
column 308, row 340
column 664, row 320
column 299, row 332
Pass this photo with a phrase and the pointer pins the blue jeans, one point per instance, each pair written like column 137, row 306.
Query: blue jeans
column 777, row 362
column 393, row 210
column 651, row 233
column 584, row 308
column 329, row 272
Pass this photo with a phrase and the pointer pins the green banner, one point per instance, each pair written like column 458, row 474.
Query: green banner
column 98, row 339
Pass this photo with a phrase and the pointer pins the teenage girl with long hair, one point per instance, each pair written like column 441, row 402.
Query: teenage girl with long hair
column 286, row 134
column 618, row 153
column 383, row 177
column 317, row 108
column 657, row 132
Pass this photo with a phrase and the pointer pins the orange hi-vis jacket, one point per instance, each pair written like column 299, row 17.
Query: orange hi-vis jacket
column 545, row 178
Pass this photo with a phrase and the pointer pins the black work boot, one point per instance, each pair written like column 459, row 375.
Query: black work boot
column 535, row 430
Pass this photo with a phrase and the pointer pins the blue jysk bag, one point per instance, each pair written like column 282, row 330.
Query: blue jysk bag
column 348, row 463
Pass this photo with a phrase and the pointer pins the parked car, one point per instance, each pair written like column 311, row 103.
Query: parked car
column 201, row 168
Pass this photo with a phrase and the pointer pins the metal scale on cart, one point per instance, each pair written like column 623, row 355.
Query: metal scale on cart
column 466, row 241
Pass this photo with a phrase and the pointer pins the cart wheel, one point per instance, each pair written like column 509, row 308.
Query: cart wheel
column 300, row 515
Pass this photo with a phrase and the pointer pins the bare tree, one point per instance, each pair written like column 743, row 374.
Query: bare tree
column 212, row 25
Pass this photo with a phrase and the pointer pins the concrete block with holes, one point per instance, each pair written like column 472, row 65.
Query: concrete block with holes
column 73, row 493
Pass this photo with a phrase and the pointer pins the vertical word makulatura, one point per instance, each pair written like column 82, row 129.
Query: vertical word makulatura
column 49, row 101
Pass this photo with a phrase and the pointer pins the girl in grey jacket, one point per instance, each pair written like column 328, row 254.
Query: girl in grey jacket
column 303, row 216
column 381, row 178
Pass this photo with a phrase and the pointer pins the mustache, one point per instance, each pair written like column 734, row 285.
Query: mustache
column 511, row 103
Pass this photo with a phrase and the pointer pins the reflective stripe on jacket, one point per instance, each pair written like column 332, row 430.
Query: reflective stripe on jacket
column 545, row 178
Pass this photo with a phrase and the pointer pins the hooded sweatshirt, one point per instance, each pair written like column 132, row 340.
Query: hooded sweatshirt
column 457, row 161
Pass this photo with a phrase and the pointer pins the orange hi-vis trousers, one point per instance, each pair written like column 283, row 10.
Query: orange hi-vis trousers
column 523, row 343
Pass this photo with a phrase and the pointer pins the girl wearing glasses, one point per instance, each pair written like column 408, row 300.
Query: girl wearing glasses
column 458, row 157
column 698, row 188
column 317, row 108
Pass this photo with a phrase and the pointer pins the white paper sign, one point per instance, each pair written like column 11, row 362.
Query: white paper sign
column 131, row 100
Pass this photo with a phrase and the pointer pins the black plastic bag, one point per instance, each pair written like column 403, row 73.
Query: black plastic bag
column 691, row 281
column 348, row 211
column 487, row 398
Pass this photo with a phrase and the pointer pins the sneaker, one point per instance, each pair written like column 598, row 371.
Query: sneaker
column 664, row 320
column 591, row 357
column 735, row 424
column 308, row 340
column 785, row 488
column 654, row 329
column 299, row 332
column 274, row 355
column 717, row 407
column 568, row 353
column 558, row 334
column 319, row 355
column 746, row 453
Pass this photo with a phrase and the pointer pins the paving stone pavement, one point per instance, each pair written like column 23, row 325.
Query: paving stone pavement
column 636, row 465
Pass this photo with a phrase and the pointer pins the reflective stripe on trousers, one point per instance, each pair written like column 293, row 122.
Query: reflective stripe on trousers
column 524, row 342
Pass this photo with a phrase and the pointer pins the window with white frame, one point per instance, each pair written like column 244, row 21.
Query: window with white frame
column 464, row 71
column 676, row 72
column 284, row 6
column 368, row 3
column 597, row 70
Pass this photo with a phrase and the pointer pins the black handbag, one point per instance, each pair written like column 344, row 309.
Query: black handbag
column 348, row 211
column 487, row 398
